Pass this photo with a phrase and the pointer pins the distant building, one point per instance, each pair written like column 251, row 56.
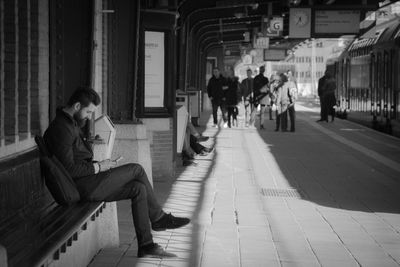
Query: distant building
column 310, row 59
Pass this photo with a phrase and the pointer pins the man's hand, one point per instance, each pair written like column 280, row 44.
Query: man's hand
column 107, row 164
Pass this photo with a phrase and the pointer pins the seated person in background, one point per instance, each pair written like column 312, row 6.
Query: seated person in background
column 104, row 180
column 192, row 146
column 199, row 137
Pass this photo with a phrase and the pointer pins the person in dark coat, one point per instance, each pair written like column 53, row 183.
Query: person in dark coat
column 105, row 180
column 231, row 96
column 329, row 97
column 261, row 82
column 321, row 84
column 215, row 90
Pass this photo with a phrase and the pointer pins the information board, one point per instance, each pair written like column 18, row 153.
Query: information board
column 337, row 21
column 154, row 69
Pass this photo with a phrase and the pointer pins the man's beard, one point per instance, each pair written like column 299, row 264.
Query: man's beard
column 81, row 122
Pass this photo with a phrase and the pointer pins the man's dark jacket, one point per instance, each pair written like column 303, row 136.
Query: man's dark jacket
column 214, row 88
column 321, row 83
column 65, row 140
column 231, row 94
column 259, row 81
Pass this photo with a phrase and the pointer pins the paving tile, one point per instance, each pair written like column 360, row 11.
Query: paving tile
column 275, row 231
column 259, row 263
column 299, row 263
column 335, row 263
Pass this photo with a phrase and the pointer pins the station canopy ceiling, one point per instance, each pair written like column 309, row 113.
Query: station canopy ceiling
column 228, row 21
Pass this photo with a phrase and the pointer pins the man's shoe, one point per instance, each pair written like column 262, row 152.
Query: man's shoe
column 319, row 120
column 187, row 162
column 203, row 153
column 168, row 221
column 225, row 125
column 262, row 127
column 208, row 149
column 187, row 156
column 154, row 250
column 202, row 138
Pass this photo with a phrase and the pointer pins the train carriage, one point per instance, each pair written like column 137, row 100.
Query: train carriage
column 368, row 78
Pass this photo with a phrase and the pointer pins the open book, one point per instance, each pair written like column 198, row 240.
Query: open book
column 105, row 137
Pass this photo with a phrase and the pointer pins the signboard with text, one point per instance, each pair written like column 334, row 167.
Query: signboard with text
column 274, row 54
column 154, row 69
column 337, row 22
column 261, row 42
column 272, row 27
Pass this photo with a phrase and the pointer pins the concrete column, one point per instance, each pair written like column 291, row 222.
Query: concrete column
column 109, row 230
column 132, row 143
column 3, row 256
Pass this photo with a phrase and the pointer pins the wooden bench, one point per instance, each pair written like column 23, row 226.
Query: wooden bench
column 34, row 230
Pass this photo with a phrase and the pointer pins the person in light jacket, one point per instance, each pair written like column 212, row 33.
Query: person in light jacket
column 282, row 102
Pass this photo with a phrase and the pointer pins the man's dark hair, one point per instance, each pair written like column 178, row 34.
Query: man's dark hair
column 283, row 77
column 85, row 96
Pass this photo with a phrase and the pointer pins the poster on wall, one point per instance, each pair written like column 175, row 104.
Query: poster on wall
column 154, row 69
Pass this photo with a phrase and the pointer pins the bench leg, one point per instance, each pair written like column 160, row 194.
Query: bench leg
column 3, row 256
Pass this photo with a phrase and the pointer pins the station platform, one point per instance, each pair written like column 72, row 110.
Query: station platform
column 325, row 195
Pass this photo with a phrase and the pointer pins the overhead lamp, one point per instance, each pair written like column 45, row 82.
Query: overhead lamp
column 254, row 6
column 294, row 2
column 238, row 15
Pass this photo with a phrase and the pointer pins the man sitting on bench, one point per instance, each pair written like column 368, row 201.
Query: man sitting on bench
column 104, row 180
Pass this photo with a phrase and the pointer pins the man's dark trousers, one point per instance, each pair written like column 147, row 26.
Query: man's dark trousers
column 215, row 106
column 281, row 120
column 125, row 182
column 292, row 116
column 324, row 116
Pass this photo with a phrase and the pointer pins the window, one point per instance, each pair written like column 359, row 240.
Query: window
column 21, row 76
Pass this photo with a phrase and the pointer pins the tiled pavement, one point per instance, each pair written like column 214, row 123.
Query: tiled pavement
column 326, row 195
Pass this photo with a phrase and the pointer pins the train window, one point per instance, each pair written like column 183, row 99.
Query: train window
column 385, row 82
column 391, row 84
column 372, row 84
column 379, row 83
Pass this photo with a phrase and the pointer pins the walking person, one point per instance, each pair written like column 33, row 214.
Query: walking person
column 260, row 92
column 215, row 90
column 292, row 99
column 105, row 180
column 231, row 96
column 247, row 86
column 329, row 97
column 282, row 102
column 321, row 86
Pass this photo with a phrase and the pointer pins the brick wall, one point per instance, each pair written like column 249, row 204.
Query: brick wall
column 161, row 141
